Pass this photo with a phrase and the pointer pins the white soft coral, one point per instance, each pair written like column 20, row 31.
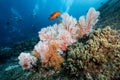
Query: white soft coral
column 26, row 60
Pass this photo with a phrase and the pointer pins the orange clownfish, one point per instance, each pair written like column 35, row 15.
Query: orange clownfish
column 54, row 15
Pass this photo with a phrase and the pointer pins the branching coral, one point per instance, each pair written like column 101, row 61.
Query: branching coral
column 54, row 61
column 53, row 58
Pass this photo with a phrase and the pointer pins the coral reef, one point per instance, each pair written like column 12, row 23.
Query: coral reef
column 97, row 58
column 56, row 33
column 69, row 51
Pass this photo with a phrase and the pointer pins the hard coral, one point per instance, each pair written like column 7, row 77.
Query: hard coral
column 99, row 57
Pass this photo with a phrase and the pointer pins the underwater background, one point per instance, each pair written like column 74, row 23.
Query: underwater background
column 21, row 21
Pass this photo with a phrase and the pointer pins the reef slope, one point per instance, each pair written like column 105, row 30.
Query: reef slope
column 109, row 14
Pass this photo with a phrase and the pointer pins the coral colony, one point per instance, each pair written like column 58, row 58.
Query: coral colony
column 59, row 48
column 58, row 37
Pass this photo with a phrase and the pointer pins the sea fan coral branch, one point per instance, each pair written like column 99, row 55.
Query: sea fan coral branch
column 48, row 33
column 69, row 24
column 86, row 23
column 41, row 48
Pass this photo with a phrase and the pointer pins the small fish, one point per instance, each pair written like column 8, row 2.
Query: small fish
column 54, row 15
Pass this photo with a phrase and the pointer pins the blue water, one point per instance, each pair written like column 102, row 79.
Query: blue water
column 22, row 19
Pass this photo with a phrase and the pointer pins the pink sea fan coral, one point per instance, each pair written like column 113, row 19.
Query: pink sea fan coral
column 41, row 48
column 51, row 32
column 69, row 24
column 86, row 23
column 69, row 30
column 57, row 32
column 48, row 33
column 26, row 60
column 65, row 40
